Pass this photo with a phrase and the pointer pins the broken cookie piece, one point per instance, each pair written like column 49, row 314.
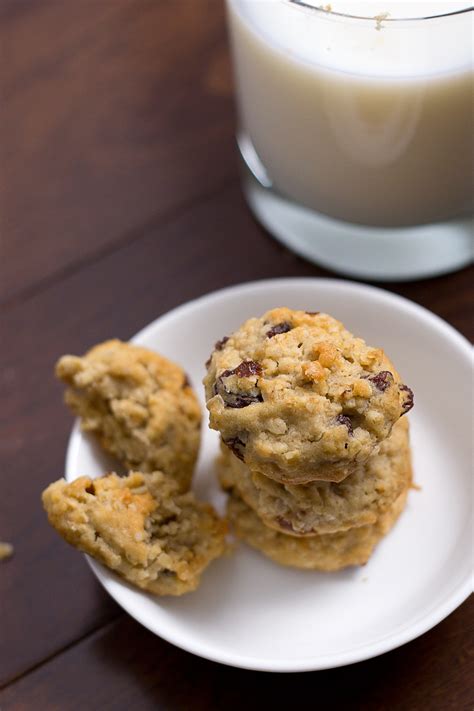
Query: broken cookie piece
column 139, row 404
column 140, row 526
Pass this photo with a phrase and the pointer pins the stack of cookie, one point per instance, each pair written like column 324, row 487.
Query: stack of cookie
column 315, row 455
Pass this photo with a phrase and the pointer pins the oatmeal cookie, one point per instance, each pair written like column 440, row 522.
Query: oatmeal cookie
column 321, row 506
column 298, row 398
column 140, row 526
column 139, row 404
column 329, row 552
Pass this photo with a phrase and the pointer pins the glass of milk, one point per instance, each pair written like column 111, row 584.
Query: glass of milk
column 356, row 130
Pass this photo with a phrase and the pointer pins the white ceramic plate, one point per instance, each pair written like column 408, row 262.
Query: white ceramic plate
column 252, row 613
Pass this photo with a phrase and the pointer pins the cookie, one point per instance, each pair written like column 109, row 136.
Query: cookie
column 327, row 552
column 325, row 507
column 140, row 526
column 298, row 398
column 139, row 404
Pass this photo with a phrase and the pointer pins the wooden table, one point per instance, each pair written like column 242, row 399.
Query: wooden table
column 119, row 199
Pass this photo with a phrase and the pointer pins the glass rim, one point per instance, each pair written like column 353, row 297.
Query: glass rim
column 382, row 18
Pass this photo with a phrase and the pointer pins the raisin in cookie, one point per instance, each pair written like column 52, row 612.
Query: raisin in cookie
column 139, row 404
column 299, row 398
column 321, row 506
column 140, row 526
column 329, row 552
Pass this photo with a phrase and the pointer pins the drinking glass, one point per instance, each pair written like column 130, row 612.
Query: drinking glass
column 355, row 132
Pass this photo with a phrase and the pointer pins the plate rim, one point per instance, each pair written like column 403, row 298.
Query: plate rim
column 427, row 621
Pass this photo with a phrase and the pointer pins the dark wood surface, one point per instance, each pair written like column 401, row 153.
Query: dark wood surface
column 119, row 199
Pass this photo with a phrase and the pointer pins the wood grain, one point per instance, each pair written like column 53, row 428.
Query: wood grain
column 113, row 112
column 119, row 199
column 123, row 666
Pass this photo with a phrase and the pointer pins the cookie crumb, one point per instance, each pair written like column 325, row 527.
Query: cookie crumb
column 416, row 487
column 6, row 550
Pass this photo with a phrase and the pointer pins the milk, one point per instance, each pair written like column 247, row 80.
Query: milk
column 368, row 121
